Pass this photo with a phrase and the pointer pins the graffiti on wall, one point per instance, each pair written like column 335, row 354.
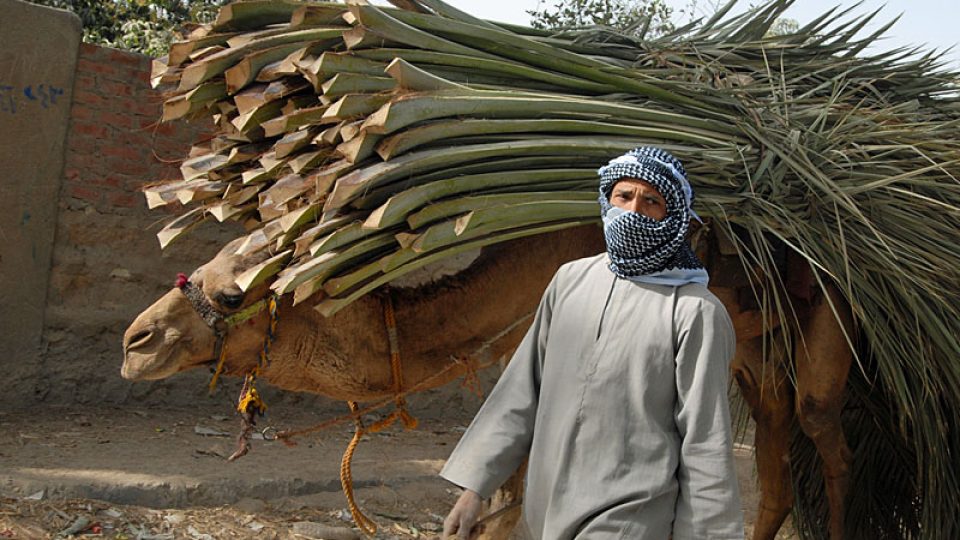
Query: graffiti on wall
column 16, row 98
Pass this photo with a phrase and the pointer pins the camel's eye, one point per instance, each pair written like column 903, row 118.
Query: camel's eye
column 229, row 301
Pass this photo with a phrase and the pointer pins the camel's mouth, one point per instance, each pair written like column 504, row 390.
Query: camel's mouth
column 150, row 353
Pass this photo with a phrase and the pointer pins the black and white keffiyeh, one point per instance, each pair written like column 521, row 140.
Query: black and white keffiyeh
column 641, row 248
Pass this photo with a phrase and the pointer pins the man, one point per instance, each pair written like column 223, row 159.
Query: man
column 618, row 392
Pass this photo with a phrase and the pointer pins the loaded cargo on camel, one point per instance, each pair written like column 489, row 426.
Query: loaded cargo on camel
column 361, row 144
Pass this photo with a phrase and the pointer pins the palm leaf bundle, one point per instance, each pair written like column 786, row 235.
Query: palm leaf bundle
column 359, row 143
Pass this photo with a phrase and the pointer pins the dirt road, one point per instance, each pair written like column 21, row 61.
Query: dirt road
column 161, row 475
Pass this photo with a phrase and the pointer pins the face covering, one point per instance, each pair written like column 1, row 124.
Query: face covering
column 641, row 248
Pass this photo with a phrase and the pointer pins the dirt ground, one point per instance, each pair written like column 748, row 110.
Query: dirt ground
column 161, row 475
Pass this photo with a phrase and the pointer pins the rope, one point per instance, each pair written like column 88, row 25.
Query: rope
column 249, row 397
column 286, row 436
column 497, row 514
column 409, row 422
column 346, row 475
column 268, row 339
column 242, row 316
column 471, row 381
column 401, row 413
column 356, row 414
column 248, row 312
column 250, row 400
column 216, row 374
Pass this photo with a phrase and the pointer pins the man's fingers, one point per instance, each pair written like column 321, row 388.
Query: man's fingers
column 463, row 517
column 467, row 528
column 449, row 527
column 463, row 532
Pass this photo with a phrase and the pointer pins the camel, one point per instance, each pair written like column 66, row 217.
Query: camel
column 347, row 356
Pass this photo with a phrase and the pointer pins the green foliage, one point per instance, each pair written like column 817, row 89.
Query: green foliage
column 639, row 18
column 144, row 26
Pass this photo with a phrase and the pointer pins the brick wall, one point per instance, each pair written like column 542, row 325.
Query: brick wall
column 115, row 143
column 107, row 265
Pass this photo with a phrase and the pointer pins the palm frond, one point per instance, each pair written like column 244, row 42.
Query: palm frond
column 805, row 141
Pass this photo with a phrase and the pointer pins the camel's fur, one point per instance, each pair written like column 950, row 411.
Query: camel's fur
column 347, row 356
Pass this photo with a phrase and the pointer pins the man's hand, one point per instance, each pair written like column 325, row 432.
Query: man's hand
column 463, row 516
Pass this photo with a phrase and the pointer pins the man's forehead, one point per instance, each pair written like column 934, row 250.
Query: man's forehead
column 633, row 183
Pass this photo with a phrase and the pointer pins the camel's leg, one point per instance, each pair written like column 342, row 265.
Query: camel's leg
column 823, row 359
column 766, row 389
column 510, row 495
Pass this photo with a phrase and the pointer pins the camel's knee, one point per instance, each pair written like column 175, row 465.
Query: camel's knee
column 778, row 506
column 818, row 416
column 820, row 420
column 769, row 404
column 771, row 512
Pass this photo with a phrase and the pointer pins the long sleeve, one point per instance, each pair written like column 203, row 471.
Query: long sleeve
column 499, row 438
column 708, row 506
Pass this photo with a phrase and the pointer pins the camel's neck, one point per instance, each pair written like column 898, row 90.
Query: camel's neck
column 347, row 356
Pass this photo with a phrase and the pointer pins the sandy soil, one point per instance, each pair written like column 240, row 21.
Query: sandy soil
column 161, row 475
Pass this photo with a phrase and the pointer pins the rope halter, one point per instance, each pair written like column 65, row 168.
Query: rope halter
column 220, row 323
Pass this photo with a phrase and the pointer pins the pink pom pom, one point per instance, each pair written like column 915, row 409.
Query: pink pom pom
column 182, row 280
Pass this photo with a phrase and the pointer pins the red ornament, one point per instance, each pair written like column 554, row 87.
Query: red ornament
column 182, row 280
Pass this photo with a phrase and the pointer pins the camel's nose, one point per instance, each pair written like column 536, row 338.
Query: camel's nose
column 134, row 338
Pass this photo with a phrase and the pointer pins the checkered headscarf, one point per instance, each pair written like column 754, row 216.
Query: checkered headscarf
column 637, row 244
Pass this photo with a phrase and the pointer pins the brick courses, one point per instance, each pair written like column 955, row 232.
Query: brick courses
column 107, row 264
column 113, row 129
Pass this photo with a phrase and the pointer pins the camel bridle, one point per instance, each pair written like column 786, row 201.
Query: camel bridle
column 213, row 317
column 220, row 323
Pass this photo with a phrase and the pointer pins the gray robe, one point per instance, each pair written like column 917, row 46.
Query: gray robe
column 618, row 393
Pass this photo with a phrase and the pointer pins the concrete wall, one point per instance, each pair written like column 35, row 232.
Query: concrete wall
column 38, row 51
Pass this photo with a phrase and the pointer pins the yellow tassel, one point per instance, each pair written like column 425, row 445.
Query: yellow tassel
column 216, row 374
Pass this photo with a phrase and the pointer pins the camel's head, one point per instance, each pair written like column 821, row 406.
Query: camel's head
column 171, row 335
